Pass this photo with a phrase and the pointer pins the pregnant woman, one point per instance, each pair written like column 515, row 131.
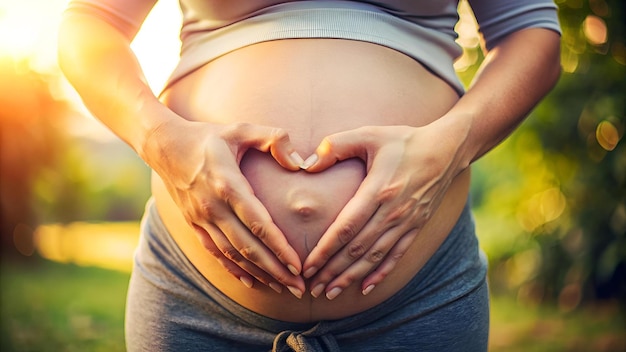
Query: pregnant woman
column 311, row 166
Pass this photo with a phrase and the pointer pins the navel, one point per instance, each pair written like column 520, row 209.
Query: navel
column 304, row 204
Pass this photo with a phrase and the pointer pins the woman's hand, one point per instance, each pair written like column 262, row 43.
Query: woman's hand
column 199, row 164
column 409, row 170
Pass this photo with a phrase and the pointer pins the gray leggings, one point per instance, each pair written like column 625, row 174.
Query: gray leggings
column 172, row 307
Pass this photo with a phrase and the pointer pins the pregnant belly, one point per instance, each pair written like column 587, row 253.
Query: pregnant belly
column 311, row 88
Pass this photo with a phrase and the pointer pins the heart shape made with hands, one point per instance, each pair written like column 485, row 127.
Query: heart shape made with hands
column 302, row 204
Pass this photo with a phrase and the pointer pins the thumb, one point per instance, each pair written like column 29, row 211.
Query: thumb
column 336, row 147
column 271, row 139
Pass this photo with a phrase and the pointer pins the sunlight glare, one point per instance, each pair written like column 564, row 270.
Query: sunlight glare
column 30, row 29
column 105, row 245
column 157, row 44
column 32, row 25
column 469, row 39
column 33, row 28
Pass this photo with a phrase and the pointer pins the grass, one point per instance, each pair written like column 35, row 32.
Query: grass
column 49, row 306
column 516, row 328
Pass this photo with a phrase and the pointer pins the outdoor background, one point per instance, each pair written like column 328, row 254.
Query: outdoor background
column 550, row 202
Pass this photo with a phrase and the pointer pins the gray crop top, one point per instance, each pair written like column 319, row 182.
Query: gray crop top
column 421, row 29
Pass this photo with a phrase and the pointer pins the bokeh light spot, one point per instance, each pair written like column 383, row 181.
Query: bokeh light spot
column 523, row 266
column 595, row 30
column 541, row 208
column 599, row 7
column 618, row 50
column 22, row 239
column 607, row 135
column 570, row 297
column 569, row 62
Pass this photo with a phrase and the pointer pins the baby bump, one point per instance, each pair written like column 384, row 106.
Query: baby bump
column 301, row 204
column 302, row 87
column 310, row 88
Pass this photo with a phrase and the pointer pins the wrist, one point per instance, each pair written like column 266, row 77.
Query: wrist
column 158, row 133
column 453, row 131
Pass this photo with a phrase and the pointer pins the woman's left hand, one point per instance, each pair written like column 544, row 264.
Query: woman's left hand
column 409, row 170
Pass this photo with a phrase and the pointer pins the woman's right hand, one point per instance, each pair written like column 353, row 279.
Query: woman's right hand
column 199, row 164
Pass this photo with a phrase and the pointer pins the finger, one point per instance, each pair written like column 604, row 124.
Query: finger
column 231, row 267
column 248, row 247
column 344, row 269
column 350, row 221
column 389, row 263
column 267, row 139
column 388, row 247
column 230, row 257
column 376, row 196
column 353, row 251
column 249, row 211
column 259, row 222
column 356, row 259
column 337, row 147
column 359, row 253
column 383, row 229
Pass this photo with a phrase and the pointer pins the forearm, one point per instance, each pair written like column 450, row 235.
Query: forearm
column 97, row 60
column 514, row 77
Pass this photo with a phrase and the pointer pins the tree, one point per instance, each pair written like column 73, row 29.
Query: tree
column 30, row 142
column 562, row 175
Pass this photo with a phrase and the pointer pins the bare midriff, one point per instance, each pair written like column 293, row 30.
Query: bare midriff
column 311, row 88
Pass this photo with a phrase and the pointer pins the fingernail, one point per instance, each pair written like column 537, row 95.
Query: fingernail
column 295, row 291
column 368, row 289
column 310, row 272
column 317, row 290
column 333, row 293
column 297, row 159
column 293, row 270
column 309, row 161
column 246, row 281
column 276, row 287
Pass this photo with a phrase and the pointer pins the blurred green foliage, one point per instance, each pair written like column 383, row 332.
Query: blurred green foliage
column 31, row 138
column 49, row 171
column 551, row 201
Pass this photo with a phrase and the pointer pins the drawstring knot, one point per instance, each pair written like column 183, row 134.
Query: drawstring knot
column 312, row 340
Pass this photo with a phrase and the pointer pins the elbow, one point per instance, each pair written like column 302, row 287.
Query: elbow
column 70, row 49
column 83, row 43
column 556, row 73
column 558, row 69
column 64, row 48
